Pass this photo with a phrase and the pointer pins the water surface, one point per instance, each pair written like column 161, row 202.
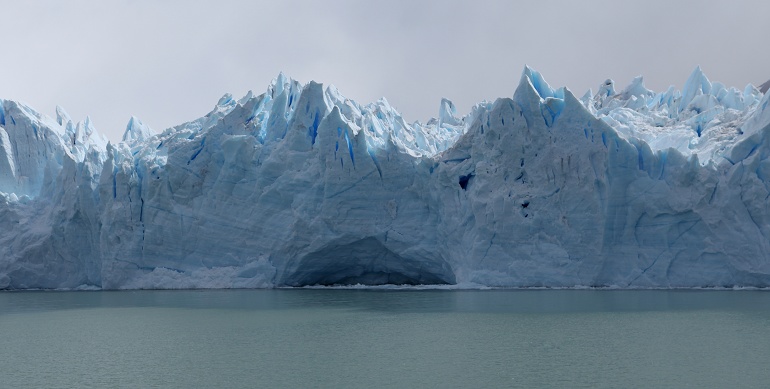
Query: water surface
column 375, row 338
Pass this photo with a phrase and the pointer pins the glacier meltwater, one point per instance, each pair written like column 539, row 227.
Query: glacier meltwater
column 300, row 186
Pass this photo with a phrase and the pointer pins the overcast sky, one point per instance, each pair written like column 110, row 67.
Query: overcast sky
column 169, row 61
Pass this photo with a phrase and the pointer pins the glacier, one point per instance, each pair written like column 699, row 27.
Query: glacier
column 300, row 186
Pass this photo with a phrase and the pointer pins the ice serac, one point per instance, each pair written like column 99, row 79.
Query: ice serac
column 301, row 186
column 136, row 131
column 48, row 207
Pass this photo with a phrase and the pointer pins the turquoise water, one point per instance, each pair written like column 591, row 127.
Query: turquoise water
column 376, row 338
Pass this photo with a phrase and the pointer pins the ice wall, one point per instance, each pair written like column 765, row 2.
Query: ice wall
column 301, row 186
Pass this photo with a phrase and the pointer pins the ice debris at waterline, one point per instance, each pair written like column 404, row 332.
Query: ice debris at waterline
column 301, row 186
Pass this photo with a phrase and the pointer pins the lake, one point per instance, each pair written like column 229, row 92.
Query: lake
column 299, row 338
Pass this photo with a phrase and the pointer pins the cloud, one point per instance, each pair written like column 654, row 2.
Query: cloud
column 170, row 61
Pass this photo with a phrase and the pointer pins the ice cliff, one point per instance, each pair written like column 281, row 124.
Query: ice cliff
column 302, row 186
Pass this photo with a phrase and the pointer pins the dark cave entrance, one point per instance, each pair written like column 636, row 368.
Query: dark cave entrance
column 366, row 262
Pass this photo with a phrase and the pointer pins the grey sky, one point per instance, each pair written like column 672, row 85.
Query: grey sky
column 169, row 61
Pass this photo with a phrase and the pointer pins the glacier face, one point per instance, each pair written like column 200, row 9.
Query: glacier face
column 302, row 186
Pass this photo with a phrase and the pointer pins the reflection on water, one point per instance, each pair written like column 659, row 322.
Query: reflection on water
column 396, row 301
column 385, row 338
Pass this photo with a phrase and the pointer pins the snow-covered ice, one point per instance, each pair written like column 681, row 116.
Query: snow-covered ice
column 300, row 186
